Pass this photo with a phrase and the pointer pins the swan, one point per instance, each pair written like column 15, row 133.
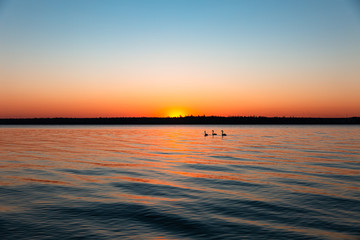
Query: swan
column 222, row 133
column 213, row 133
column 205, row 134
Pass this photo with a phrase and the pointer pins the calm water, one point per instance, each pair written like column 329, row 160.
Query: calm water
column 170, row 182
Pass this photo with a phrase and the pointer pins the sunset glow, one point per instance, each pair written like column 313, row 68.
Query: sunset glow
column 136, row 58
column 176, row 113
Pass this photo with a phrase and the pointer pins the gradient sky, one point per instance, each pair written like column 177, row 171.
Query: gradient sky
column 85, row 58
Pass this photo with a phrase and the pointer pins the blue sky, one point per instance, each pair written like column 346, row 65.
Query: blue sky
column 203, row 45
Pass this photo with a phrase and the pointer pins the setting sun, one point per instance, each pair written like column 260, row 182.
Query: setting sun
column 176, row 113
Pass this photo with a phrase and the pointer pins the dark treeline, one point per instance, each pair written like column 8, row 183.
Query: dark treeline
column 178, row 120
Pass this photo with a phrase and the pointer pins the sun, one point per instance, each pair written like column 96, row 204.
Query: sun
column 176, row 113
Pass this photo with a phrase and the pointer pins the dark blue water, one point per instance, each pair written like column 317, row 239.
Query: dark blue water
column 170, row 182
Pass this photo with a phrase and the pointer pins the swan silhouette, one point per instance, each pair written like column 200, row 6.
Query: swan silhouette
column 205, row 134
column 213, row 133
column 222, row 133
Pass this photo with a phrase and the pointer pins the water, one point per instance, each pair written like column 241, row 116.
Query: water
column 171, row 182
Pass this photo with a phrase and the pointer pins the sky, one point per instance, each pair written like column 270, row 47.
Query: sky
column 158, row 58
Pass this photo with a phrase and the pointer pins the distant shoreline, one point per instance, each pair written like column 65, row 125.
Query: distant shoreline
column 188, row 120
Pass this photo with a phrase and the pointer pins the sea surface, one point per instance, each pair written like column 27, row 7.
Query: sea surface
column 171, row 182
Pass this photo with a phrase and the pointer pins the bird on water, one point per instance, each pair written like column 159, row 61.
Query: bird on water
column 222, row 133
column 213, row 133
column 205, row 134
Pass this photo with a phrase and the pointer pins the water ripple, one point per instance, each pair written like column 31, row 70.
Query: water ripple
column 170, row 182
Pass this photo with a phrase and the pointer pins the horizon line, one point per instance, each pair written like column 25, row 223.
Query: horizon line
column 186, row 116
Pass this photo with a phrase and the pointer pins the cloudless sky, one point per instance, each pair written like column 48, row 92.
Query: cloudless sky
column 108, row 58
